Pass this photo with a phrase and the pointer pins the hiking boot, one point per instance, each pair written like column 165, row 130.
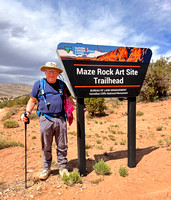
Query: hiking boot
column 63, row 171
column 44, row 174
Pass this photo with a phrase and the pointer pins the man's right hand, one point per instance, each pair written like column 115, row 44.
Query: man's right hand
column 25, row 117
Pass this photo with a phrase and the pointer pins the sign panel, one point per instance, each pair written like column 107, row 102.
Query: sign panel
column 104, row 71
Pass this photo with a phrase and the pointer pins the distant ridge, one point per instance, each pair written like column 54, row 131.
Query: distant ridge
column 14, row 90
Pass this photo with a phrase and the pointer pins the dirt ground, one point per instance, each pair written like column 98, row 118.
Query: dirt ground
column 149, row 180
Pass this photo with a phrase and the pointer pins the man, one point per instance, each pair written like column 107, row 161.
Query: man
column 52, row 120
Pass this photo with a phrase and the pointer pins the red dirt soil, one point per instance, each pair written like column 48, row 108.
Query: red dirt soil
column 149, row 180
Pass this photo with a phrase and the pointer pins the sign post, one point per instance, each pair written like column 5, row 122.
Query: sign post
column 131, row 132
column 81, row 136
column 95, row 71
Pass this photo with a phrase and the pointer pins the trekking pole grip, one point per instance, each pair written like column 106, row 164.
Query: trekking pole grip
column 25, row 115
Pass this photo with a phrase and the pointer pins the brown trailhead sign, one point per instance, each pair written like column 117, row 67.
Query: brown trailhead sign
column 104, row 71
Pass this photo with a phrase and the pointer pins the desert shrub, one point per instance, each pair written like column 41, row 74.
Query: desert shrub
column 123, row 142
column 95, row 106
column 101, row 168
column 11, row 112
column 73, row 178
column 72, row 133
column 168, row 141
column 11, row 124
column 87, row 146
column 139, row 113
column 111, row 137
column 123, row 171
column 156, row 83
column 160, row 142
column 96, row 181
column 14, row 144
column 16, row 101
column 98, row 141
column 159, row 128
column 5, row 143
column 2, row 186
column 3, row 104
column 99, row 146
column 33, row 116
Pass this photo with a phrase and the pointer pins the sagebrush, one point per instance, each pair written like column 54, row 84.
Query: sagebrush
column 156, row 83
column 11, row 124
column 101, row 168
column 6, row 142
column 73, row 178
column 96, row 106
column 123, row 171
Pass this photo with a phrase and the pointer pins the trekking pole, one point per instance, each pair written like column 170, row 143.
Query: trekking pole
column 26, row 149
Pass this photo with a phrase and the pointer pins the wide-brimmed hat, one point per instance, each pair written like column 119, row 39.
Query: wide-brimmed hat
column 50, row 65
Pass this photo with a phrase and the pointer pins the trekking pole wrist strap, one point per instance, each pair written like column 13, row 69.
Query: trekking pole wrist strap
column 27, row 113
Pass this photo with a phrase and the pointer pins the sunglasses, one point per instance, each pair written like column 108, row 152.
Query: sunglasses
column 51, row 72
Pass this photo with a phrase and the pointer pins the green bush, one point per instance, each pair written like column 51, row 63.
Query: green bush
column 111, row 137
column 5, row 143
column 73, row 178
column 123, row 142
column 33, row 116
column 168, row 141
column 17, row 101
column 139, row 113
column 156, row 83
column 3, row 104
column 159, row 128
column 101, row 168
column 11, row 112
column 96, row 106
column 123, row 171
column 11, row 124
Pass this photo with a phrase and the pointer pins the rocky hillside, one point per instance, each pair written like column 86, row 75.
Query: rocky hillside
column 14, row 90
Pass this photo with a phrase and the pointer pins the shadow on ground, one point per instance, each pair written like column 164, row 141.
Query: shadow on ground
column 140, row 153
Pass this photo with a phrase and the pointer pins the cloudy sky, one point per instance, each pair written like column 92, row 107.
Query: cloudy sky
column 30, row 30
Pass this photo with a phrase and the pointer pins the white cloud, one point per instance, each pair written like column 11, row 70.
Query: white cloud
column 23, row 79
column 28, row 30
column 167, row 55
column 155, row 54
column 95, row 54
column 166, row 5
column 62, row 52
column 9, row 68
column 31, row 30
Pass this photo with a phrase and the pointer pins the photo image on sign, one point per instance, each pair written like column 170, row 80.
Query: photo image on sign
column 122, row 54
